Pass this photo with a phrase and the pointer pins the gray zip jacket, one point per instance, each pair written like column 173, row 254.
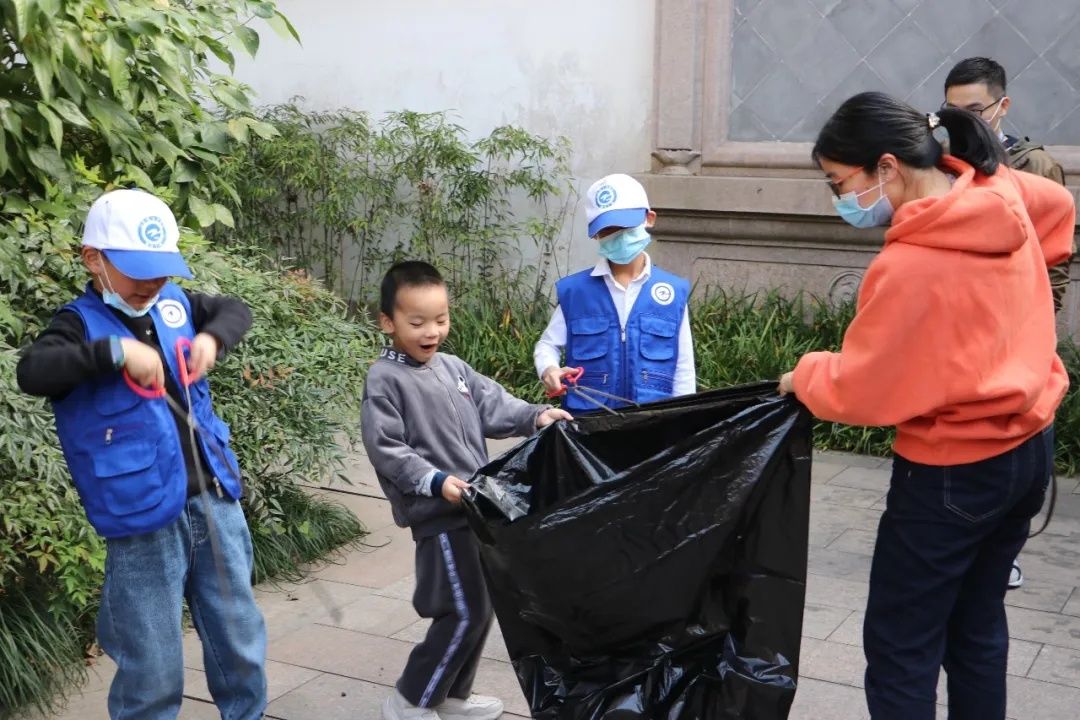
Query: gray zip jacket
column 419, row 419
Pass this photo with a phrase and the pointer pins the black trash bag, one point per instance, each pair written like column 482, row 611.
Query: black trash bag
column 653, row 564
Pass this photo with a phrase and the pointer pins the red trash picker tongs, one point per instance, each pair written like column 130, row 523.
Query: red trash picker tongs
column 585, row 392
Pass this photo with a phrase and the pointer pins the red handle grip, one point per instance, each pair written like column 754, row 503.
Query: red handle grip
column 183, row 344
column 150, row 393
column 183, row 348
column 571, row 376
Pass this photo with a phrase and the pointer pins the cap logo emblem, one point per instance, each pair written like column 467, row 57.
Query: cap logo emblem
column 152, row 232
column 605, row 196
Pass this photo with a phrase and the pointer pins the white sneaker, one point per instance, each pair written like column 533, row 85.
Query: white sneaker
column 477, row 707
column 396, row 707
column 1016, row 577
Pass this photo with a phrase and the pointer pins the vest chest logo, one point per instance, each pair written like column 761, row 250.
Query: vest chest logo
column 173, row 313
column 462, row 386
column 663, row 293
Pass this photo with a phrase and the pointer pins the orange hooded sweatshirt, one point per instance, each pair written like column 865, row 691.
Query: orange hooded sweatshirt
column 953, row 341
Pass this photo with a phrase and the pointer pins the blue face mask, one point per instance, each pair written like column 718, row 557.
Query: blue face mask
column 878, row 214
column 624, row 246
column 113, row 300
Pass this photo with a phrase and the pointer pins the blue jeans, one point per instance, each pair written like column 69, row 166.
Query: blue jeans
column 945, row 547
column 147, row 578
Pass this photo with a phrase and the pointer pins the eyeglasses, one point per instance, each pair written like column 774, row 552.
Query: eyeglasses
column 971, row 108
column 834, row 185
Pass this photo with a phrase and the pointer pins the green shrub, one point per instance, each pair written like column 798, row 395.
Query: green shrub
column 292, row 388
column 738, row 339
column 310, row 527
column 117, row 91
column 43, row 650
column 344, row 196
column 290, row 392
column 747, row 338
column 1067, row 424
column 96, row 94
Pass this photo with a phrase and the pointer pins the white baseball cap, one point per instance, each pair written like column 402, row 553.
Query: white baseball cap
column 615, row 201
column 137, row 232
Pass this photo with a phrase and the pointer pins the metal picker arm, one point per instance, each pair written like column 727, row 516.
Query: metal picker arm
column 587, row 393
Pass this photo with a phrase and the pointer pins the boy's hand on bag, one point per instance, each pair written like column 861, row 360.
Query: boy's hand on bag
column 204, row 351
column 552, row 415
column 452, row 488
column 143, row 363
column 553, row 378
column 787, row 383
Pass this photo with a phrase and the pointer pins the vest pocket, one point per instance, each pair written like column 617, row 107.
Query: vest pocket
column 589, row 340
column 107, row 401
column 128, row 477
column 658, row 338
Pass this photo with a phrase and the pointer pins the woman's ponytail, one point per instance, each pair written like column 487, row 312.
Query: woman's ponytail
column 870, row 124
column 972, row 140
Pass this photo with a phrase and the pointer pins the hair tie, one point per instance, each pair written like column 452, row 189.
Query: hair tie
column 939, row 132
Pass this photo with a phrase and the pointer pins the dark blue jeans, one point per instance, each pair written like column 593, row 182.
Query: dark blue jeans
column 147, row 578
column 945, row 546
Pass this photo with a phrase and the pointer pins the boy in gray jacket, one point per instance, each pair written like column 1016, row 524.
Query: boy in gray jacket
column 424, row 419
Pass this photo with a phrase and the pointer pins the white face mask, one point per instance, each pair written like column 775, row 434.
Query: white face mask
column 113, row 299
column 990, row 122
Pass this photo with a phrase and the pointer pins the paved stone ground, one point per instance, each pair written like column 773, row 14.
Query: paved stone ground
column 338, row 641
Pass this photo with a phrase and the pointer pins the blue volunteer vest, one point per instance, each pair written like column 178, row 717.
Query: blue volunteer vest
column 122, row 450
column 638, row 364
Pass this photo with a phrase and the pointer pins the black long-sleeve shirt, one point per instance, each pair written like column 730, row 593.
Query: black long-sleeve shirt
column 61, row 358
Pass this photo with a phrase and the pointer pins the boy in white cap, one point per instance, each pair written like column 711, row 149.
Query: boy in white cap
column 141, row 473
column 625, row 320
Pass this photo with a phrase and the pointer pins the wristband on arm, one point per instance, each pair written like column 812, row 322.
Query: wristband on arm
column 116, row 352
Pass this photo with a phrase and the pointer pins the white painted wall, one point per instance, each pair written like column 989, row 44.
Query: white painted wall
column 578, row 68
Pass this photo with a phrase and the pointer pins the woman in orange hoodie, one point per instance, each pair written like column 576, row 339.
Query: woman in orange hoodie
column 953, row 342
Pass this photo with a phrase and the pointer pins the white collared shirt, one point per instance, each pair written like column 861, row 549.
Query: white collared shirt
column 548, row 351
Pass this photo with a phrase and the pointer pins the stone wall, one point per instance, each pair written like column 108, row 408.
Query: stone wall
column 795, row 61
column 742, row 86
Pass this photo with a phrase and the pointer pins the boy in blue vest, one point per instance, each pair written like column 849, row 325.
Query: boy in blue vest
column 625, row 321
column 137, row 469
